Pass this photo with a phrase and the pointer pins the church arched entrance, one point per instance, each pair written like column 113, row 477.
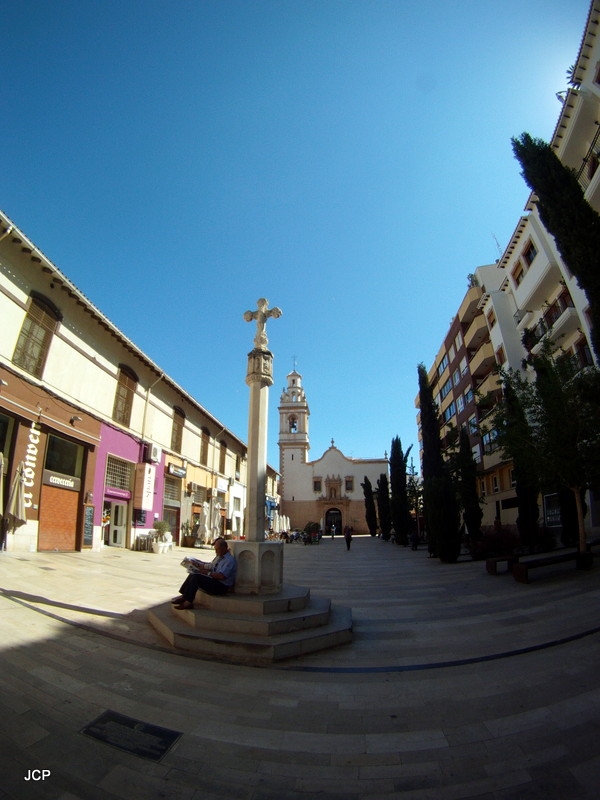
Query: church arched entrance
column 333, row 517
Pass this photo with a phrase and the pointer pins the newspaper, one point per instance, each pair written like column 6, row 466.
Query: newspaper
column 194, row 565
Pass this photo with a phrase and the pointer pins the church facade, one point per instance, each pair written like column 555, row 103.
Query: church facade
column 327, row 491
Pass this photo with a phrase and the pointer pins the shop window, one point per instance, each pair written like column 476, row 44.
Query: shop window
column 36, row 334
column 177, row 429
column 204, row 441
column 6, row 431
column 127, row 382
column 64, row 456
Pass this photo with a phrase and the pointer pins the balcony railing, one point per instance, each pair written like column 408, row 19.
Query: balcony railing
column 589, row 165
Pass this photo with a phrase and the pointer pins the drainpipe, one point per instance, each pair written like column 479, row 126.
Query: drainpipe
column 148, row 390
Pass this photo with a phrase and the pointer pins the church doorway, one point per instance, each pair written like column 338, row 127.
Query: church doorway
column 333, row 522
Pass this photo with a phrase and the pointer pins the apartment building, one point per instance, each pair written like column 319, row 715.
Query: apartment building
column 531, row 298
column 109, row 443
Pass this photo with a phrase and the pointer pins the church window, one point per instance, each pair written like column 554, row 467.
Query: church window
column 317, row 485
column 349, row 484
column 293, row 424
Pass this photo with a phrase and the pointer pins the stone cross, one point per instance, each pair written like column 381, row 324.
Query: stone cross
column 261, row 315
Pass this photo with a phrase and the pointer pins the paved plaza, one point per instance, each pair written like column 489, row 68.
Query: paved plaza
column 458, row 684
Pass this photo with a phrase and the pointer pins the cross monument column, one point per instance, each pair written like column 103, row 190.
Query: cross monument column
column 260, row 563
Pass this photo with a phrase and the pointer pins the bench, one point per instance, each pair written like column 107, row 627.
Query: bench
column 491, row 564
column 521, row 568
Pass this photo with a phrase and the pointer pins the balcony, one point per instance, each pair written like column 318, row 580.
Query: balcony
column 489, row 387
column 476, row 333
column 469, row 306
column 482, row 362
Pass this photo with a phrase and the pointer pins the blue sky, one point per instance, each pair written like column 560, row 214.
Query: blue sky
column 350, row 160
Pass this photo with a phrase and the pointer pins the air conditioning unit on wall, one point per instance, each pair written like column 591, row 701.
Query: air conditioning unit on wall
column 152, row 453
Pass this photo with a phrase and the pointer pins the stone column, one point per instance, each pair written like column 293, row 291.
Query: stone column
column 260, row 563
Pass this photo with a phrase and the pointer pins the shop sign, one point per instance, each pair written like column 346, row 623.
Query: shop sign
column 121, row 494
column 30, row 462
column 178, row 472
column 143, row 497
column 62, row 481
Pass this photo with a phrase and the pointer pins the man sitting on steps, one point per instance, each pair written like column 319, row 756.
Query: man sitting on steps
column 218, row 577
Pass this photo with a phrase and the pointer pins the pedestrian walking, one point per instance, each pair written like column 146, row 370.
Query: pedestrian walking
column 348, row 536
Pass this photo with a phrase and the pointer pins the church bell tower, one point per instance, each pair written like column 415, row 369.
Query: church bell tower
column 293, row 425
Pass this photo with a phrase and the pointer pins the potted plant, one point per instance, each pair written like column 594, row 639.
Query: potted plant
column 158, row 540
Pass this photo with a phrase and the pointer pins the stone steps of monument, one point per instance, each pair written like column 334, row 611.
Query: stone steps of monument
column 251, row 648
column 290, row 598
column 313, row 615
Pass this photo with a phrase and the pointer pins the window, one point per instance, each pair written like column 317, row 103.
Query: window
column 204, row 440
column 177, row 429
column 126, row 386
column 464, row 366
column 458, row 340
column 449, row 412
column 500, row 355
column 33, row 343
column 529, row 253
column 476, row 451
column 518, row 274
column 118, row 473
column 469, row 395
column 293, row 423
column 495, row 484
column 349, row 484
column 222, row 457
column 460, row 403
column 6, row 429
column 172, row 490
column 446, row 388
column 489, row 442
column 491, row 319
column 442, row 366
column 473, row 429
column 456, row 377
column 64, row 457
column 317, row 485
column 238, row 467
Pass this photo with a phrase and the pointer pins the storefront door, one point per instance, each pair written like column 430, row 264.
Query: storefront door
column 115, row 531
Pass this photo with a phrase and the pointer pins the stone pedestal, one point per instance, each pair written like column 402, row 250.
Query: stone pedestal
column 259, row 566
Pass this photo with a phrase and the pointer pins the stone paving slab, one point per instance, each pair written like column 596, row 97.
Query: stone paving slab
column 457, row 684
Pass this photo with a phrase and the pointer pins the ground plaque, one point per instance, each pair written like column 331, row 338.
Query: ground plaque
column 132, row 735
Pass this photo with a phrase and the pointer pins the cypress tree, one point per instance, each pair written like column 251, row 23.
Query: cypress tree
column 383, row 507
column 370, row 512
column 439, row 497
column 566, row 215
column 401, row 519
column 515, row 438
column 467, row 487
